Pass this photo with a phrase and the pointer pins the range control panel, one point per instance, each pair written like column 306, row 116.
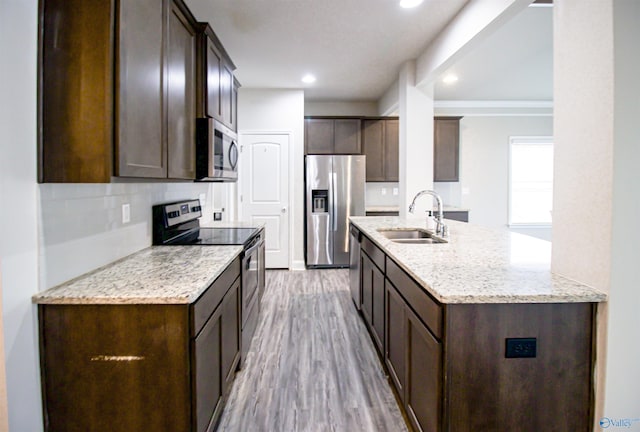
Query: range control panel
column 180, row 212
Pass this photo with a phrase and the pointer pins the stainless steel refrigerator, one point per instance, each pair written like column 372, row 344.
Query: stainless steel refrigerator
column 334, row 191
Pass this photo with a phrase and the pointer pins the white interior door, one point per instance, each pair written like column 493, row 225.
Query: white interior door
column 264, row 191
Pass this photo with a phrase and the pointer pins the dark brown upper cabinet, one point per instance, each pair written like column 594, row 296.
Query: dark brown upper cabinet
column 234, row 105
column 181, row 95
column 446, row 149
column 108, row 101
column 331, row 135
column 217, row 95
column 380, row 141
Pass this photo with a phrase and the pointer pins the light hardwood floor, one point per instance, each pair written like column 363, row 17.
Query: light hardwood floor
column 312, row 366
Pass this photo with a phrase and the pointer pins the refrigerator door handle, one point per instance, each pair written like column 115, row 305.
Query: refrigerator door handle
column 334, row 201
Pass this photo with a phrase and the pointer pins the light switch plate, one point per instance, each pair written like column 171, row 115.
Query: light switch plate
column 395, row 191
column 126, row 213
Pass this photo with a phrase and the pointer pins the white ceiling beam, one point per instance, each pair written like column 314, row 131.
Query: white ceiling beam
column 477, row 20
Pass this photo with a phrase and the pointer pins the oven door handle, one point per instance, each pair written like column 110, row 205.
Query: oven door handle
column 255, row 244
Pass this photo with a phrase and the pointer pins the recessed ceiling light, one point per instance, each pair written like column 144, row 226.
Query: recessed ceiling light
column 407, row 4
column 308, row 79
column 450, row 79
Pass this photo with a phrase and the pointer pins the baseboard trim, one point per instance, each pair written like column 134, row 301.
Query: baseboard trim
column 298, row 265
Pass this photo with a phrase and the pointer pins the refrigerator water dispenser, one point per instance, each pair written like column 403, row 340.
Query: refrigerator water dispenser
column 319, row 201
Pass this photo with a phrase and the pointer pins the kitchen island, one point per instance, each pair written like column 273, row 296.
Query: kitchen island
column 149, row 342
column 477, row 333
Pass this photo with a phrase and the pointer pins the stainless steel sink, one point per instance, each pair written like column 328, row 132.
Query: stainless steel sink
column 431, row 240
column 411, row 236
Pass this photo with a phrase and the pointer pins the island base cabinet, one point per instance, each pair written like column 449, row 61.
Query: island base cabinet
column 395, row 339
column 424, row 376
column 413, row 357
column 108, row 367
column 373, row 300
column 488, row 392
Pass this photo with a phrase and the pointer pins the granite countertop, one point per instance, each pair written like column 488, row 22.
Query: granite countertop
column 479, row 265
column 232, row 224
column 395, row 208
column 156, row 275
column 381, row 208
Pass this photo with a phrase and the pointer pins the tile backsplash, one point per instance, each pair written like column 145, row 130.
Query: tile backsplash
column 381, row 194
column 80, row 225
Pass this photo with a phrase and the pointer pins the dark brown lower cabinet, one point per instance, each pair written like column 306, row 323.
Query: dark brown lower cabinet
column 107, row 367
column 396, row 339
column 452, row 371
column 217, row 353
column 549, row 392
column 414, row 360
column 423, row 392
column 140, row 367
column 373, row 300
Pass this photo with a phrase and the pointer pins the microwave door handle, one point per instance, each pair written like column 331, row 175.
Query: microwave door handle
column 233, row 155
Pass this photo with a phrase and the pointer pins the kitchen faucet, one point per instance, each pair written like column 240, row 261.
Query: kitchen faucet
column 441, row 228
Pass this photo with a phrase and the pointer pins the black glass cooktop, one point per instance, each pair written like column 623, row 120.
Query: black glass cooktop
column 217, row 236
column 225, row 236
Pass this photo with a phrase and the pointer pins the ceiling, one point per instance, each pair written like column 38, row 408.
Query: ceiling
column 355, row 48
column 515, row 63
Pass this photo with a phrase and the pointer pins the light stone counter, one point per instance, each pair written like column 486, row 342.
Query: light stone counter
column 232, row 224
column 382, row 208
column 156, row 275
column 396, row 208
column 479, row 265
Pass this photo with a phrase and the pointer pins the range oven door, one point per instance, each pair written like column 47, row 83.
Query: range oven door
column 250, row 293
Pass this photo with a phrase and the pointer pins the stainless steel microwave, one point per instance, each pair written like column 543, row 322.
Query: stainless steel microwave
column 216, row 151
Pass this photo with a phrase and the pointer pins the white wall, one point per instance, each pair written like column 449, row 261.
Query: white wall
column 416, row 142
column 360, row 109
column 280, row 110
column 583, row 133
column 381, row 194
column 583, row 159
column 4, row 410
column 18, row 218
column 622, row 395
column 484, row 164
column 596, row 93
column 80, row 225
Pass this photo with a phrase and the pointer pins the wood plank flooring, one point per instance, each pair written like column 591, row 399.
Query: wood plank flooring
column 312, row 366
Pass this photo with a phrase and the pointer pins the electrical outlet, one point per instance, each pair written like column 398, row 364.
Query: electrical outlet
column 203, row 200
column 383, row 191
column 520, row 348
column 395, row 191
column 126, row 213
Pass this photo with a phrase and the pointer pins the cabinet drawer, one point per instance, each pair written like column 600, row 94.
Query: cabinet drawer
column 210, row 299
column 425, row 307
column 376, row 255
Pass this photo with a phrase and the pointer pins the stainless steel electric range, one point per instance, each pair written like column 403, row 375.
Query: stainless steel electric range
column 178, row 224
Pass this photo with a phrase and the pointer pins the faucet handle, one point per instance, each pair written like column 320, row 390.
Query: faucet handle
column 445, row 230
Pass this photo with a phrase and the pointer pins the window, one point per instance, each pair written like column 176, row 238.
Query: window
column 530, row 181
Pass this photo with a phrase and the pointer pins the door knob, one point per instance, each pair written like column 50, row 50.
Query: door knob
column 284, row 210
